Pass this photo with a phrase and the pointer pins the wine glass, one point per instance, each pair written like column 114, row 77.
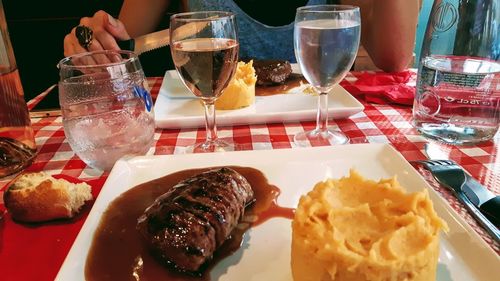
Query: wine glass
column 204, row 48
column 326, row 40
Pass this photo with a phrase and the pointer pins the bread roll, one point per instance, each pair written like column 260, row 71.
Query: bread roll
column 36, row 197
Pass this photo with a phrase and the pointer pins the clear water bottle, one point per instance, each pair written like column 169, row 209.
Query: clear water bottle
column 458, row 86
column 17, row 142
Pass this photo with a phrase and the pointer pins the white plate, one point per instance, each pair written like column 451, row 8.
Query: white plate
column 464, row 255
column 176, row 107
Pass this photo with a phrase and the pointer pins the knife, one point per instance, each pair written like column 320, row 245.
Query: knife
column 483, row 199
column 146, row 42
column 160, row 38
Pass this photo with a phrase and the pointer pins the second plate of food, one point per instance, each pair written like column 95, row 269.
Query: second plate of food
column 293, row 101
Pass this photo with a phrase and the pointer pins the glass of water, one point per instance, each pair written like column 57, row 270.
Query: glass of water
column 326, row 41
column 458, row 85
column 106, row 106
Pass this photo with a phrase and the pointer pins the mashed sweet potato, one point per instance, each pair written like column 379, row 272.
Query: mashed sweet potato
column 358, row 229
column 241, row 90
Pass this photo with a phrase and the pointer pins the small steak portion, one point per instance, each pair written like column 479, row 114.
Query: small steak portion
column 270, row 72
column 185, row 226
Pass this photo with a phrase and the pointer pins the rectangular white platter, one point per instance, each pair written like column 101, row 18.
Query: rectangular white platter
column 463, row 256
column 176, row 107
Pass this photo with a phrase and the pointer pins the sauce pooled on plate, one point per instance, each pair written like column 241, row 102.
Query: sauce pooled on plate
column 117, row 251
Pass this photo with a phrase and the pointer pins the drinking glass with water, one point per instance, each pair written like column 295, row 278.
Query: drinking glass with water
column 458, row 86
column 326, row 41
column 106, row 106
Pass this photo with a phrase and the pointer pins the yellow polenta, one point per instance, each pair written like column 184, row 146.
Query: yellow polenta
column 241, row 89
column 358, row 229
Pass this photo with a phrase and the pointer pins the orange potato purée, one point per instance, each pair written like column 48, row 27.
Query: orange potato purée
column 358, row 229
column 241, row 89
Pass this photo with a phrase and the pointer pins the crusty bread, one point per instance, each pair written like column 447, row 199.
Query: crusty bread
column 36, row 197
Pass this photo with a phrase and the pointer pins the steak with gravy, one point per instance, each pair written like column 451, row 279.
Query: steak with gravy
column 271, row 72
column 185, row 226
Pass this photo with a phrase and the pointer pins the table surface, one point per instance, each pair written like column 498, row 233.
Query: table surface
column 376, row 124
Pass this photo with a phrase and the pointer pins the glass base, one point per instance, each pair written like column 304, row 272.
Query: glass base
column 456, row 135
column 217, row 145
column 307, row 138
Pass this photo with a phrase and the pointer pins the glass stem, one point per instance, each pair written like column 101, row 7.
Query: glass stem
column 322, row 115
column 210, row 126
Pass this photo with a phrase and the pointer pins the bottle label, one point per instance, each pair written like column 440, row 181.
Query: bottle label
column 432, row 77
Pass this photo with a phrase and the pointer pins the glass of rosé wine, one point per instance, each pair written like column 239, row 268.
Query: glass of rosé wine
column 204, row 48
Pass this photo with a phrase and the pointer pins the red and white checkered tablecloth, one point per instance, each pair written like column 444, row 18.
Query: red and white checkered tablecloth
column 376, row 124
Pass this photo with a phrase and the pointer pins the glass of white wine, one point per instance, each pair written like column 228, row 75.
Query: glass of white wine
column 326, row 41
column 204, row 48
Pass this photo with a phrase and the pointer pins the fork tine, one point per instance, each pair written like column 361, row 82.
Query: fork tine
column 428, row 162
column 445, row 162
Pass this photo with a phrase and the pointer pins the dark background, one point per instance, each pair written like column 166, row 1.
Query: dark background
column 37, row 30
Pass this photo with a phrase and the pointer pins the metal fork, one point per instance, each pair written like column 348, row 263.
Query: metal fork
column 452, row 176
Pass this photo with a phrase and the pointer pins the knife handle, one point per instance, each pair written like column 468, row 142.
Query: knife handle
column 128, row 45
column 491, row 209
column 480, row 218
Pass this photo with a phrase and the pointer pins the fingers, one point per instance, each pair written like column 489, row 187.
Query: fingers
column 105, row 31
column 99, row 58
column 116, row 28
column 71, row 45
column 98, row 23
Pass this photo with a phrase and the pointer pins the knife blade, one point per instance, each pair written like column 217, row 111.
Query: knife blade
column 146, row 42
column 160, row 38
column 484, row 200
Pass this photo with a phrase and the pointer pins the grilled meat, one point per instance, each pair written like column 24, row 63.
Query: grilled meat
column 270, row 72
column 185, row 226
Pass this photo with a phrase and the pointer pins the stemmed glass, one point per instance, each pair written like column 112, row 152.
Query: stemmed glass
column 204, row 48
column 326, row 40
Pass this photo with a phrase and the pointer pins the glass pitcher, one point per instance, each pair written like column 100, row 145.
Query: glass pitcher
column 17, row 142
column 458, row 86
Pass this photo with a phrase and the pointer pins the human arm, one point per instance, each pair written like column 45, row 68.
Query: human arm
column 388, row 31
column 142, row 16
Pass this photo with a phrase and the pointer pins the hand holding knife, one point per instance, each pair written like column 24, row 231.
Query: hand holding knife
column 160, row 38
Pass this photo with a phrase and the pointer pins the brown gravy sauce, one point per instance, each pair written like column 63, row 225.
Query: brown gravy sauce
column 293, row 81
column 117, row 252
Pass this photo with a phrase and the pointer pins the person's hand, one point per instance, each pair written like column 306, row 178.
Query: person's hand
column 105, row 31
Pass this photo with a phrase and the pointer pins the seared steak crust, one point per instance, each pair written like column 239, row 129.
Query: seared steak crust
column 271, row 72
column 185, row 226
